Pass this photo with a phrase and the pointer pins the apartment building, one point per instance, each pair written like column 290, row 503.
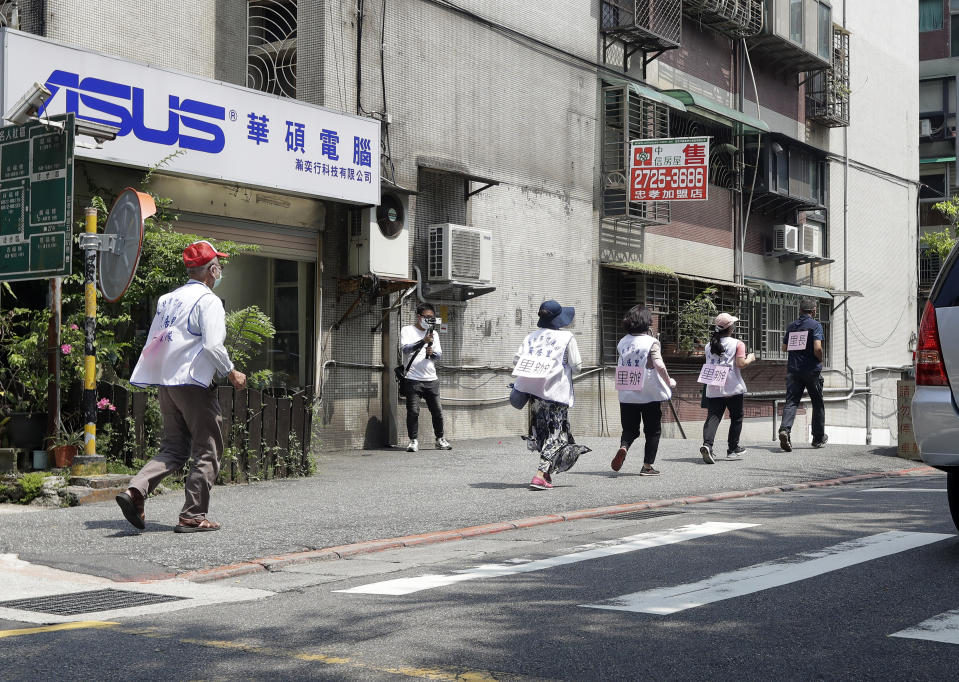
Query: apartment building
column 503, row 134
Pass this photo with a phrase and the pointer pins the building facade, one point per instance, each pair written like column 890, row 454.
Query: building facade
column 505, row 131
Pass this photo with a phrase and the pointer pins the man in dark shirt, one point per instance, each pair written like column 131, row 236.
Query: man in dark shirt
column 803, row 340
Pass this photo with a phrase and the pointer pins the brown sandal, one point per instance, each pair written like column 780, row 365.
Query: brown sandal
column 195, row 526
column 131, row 504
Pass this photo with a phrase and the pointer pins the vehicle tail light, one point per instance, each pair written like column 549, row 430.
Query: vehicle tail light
column 930, row 369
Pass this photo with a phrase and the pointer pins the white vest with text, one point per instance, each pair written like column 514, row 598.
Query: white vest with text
column 654, row 388
column 557, row 384
column 173, row 354
column 734, row 382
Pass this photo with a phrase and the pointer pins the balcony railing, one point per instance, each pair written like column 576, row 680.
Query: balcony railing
column 734, row 18
column 827, row 92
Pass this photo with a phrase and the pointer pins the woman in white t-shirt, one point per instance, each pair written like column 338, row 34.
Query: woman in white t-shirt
column 544, row 366
column 643, row 383
column 725, row 350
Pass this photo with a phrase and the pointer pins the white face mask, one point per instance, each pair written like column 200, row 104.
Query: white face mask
column 219, row 277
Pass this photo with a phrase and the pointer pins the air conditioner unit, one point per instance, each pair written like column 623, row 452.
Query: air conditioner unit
column 379, row 242
column 925, row 127
column 812, row 239
column 459, row 254
column 785, row 239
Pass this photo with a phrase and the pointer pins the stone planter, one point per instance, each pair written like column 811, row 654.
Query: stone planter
column 63, row 455
column 27, row 429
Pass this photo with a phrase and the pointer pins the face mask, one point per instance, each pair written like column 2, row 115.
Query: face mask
column 218, row 280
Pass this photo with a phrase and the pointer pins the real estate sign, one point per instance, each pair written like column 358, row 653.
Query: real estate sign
column 672, row 169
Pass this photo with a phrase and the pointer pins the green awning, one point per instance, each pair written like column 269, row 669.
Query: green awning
column 645, row 268
column 707, row 108
column 649, row 93
column 939, row 159
column 793, row 289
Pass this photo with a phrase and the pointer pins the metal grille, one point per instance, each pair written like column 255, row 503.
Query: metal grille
column 628, row 116
column 643, row 514
column 734, row 18
column 76, row 603
column 9, row 15
column 827, row 92
column 727, row 299
column 465, row 254
column 435, row 254
column 929, row 265
column 271, row 65
column 620, row 291
column 725, row 160
column 647, row 24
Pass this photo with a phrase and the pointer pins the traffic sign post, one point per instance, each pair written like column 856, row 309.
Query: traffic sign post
column 36, row 199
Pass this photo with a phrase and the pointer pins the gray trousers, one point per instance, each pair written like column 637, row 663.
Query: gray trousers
column 191, row 428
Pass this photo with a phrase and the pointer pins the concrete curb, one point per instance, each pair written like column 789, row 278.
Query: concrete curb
column 272, row 563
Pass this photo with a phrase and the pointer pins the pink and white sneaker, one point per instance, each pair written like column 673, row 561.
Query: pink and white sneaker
column 539, row 483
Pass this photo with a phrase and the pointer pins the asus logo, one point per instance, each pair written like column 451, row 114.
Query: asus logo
column 128, row 116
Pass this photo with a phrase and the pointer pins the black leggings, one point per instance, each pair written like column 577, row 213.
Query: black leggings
column 717, row 406
column 650, row 414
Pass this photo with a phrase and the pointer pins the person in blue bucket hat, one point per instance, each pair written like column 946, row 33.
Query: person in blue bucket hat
column 543, row 369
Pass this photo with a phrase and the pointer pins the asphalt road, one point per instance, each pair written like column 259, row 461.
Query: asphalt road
column 799, row 585
column 367, row 495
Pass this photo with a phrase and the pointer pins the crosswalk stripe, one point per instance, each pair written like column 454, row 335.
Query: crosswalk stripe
column 905, row 490
column 768, row 575
column 941, row 628
column 631, row 543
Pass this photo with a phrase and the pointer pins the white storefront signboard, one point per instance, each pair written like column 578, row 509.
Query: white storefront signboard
column 225, row 132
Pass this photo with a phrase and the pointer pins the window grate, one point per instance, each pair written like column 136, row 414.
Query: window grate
column 75, row 603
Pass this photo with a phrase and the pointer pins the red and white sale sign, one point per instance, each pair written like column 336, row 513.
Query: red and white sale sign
column 674, row 169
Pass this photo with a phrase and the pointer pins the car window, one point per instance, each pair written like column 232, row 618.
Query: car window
column 946, row 291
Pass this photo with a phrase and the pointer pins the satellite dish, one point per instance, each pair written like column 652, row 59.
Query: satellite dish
column 390, row 215
column 124, row 232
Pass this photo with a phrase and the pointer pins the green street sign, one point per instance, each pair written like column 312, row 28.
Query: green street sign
column 36, row 199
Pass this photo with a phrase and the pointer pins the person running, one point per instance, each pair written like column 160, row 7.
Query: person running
column 804, row 340
column 729, row 354
column 643, row 383
column 543, row 368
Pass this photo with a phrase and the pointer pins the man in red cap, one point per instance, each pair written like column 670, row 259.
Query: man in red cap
column 183, row 352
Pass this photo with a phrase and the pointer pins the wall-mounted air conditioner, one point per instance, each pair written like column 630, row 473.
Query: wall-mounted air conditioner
column 785, row 239
column 459, row 254
column 379, row 242
column 811, row 241
column 925, row 127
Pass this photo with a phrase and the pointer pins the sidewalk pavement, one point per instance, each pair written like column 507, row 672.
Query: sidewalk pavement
column 359, row 496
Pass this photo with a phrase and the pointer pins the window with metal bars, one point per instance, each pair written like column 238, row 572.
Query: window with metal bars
column 727, row 299
column 724, row 159
column 271, row 30
column 774, row 311
column 629, row 116
column 621, row 290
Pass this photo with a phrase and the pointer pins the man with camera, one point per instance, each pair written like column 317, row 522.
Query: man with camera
column 421, row 348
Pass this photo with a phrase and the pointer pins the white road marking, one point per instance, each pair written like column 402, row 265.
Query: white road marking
column 768, row 575
column 941, row 628
column 905, row 490
column 632, row 543
column 23, row 580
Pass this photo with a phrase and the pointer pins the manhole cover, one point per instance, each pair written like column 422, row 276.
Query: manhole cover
column 87, row 602
column 642, row 514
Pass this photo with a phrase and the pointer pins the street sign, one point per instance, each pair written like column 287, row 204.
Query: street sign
column 675, row 169
column 36, row 199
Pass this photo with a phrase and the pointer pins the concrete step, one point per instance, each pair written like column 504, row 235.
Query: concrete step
column 102, row 481
column 79, row 494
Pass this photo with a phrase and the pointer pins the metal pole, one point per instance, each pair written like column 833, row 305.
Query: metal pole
column 90, row 326
column 53, row 358
column 869, row 406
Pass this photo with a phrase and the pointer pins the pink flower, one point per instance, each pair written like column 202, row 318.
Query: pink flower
column 74, row 327
column 104, row 403
column 66, row 349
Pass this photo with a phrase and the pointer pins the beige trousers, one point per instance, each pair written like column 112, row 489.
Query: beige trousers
column 191, row 428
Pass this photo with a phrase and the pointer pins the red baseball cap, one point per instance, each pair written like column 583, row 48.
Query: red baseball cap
column 200, row 253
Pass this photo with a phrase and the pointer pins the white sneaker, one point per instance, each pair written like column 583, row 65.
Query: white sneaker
column 413, row 446
column 443, row 444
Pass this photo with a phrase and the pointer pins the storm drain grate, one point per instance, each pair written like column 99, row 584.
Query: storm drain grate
column 87, row 602
column 642, row 514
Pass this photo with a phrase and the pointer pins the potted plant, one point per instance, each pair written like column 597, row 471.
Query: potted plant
column 695, row 321
column 64, row 446
column 23, row 375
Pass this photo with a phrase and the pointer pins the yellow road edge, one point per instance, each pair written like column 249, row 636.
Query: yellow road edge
column 78, row 625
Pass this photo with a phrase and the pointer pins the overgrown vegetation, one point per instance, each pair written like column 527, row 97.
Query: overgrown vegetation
column 941, row 242
column 695, row 319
